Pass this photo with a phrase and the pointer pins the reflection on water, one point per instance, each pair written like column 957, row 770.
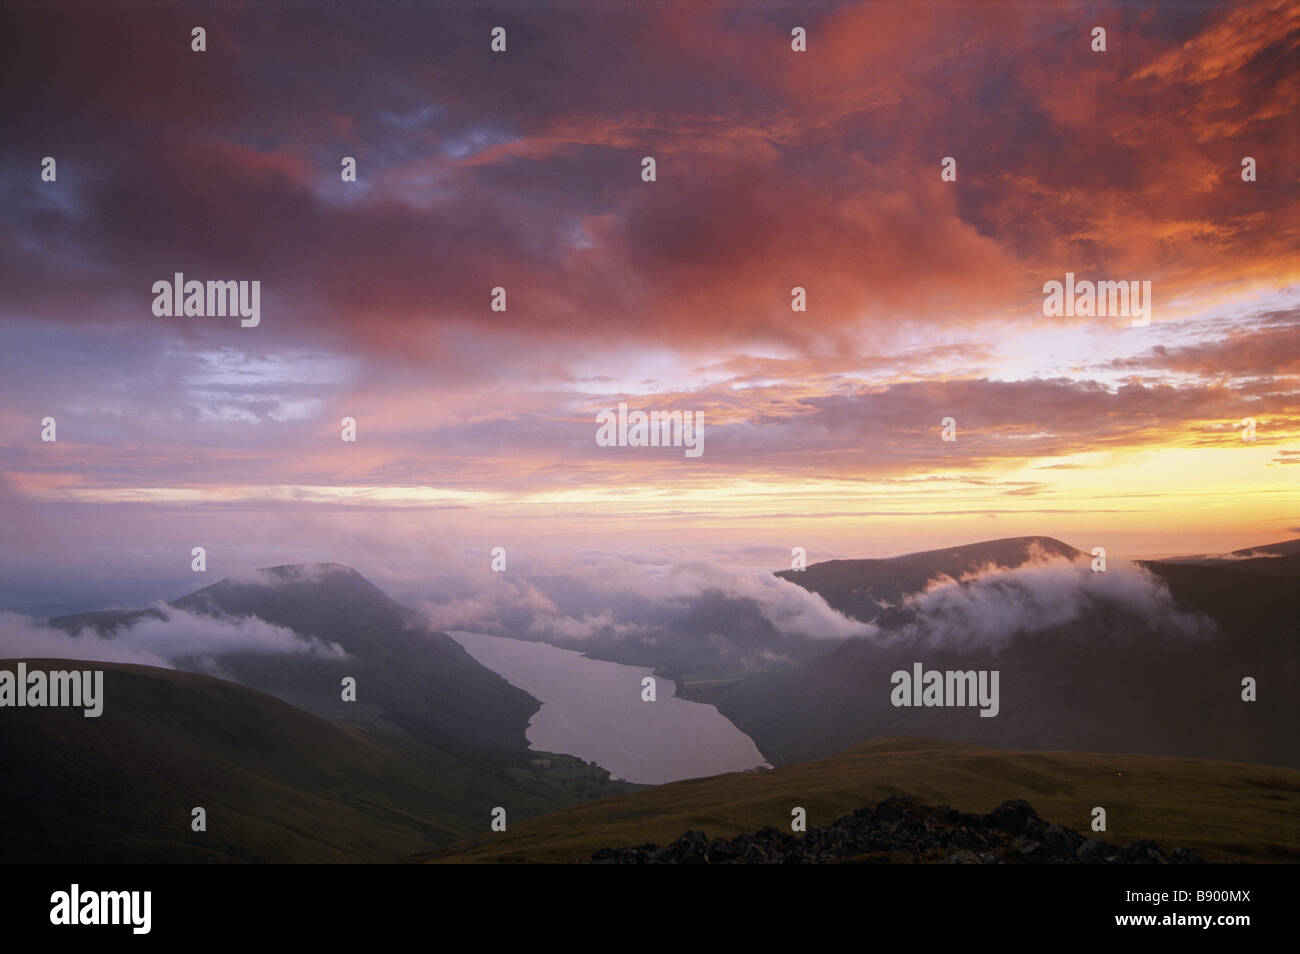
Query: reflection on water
column 593, row 709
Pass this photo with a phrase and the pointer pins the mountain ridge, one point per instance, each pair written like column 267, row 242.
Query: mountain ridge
column 867, row 589
column 410, row 678
column 1108, row 680
column 278, row 784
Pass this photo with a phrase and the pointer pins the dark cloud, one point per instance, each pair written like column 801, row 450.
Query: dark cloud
column 521, row 169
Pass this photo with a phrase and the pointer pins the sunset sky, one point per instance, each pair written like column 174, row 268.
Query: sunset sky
column 522, row 170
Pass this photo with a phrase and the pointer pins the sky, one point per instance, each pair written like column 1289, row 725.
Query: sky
column 522, row 169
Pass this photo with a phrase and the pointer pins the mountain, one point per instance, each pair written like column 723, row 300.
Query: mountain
column 1276, row 559
column 714, row 632
column 278, row 784
column 867, row 589
column 1111, row 679
column 1223, row 811
column 418, row 694
column 716, row 636
column 410, row 679
column 1285, row 548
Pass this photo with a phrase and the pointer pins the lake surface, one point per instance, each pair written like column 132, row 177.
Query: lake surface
column 593, row 709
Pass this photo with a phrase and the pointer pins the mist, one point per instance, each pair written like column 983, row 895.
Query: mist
column 173, row 638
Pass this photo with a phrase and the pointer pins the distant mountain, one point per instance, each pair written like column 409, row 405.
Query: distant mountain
column 1111, row 680
column 866, row 589
column 1223, row 811
column 1285, row 548
column 714, row 632
column 278, row 784
column 1275, row 559
column 719, row 636
column 410, row 678
column 416, row 690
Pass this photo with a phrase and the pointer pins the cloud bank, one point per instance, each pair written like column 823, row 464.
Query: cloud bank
column 994, row 608
column 174, row 640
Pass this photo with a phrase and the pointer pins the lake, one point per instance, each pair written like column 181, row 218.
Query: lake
column 593, row 709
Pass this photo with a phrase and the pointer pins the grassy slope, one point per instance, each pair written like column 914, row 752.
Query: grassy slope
column 411, row 680
column 279, row 784
column 1225, row 811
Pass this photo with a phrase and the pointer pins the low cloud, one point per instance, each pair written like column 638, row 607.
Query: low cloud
column 24, row 638
column 564, row 629
column 614, row 597
column 993, row 608
column 172, row 639
column 287, row 575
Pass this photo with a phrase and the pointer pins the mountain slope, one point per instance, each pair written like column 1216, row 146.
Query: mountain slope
column 863, row 589
column 1285, row 548
column 1276, row 559
column 1110, row 680
column 1221, row 810
column 410, row 678
column 278, row 784
column 717, row 636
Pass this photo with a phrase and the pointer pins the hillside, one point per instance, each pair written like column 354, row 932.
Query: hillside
column 278, row 784
column 1278, row 559
column 863, row 589
column 411, row 679
column 1110, row 680
column 717, row 636
column 1223, row 811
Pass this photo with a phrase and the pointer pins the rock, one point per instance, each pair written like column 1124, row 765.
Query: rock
column 690, row 849
column 722, row 851
column 1059, row 842
column 1027, row 846
column 1013, row 815
column 1142, row 853
column 1094, row 851
column 961, row 838
column 900, row 828
column 755, row 854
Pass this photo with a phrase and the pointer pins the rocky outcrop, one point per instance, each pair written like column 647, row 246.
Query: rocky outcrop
column 905, row 830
